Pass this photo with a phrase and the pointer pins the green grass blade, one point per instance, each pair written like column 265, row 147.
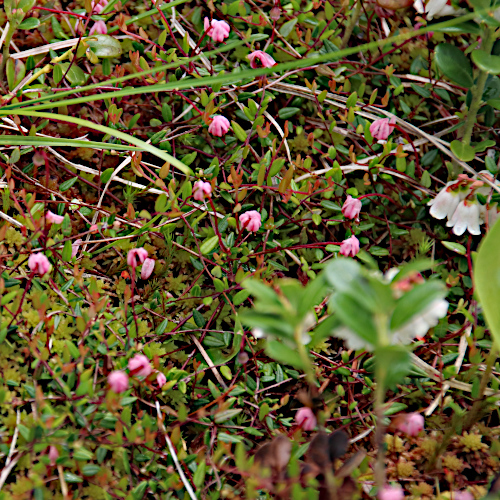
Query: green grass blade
column 38, row 142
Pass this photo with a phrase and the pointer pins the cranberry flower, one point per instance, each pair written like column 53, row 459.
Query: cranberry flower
column 201, row 190
column 147, row 268
column 412, row 424
column 75, row 246
column 381, row 129
column 53, row 218
column 251, row 220
column 38, row 263
column 306, row 419
column 140, row 365
column 391, row 493
column 219, row 126
column 99, row 5
column 351, row 207
column 118, row 381
column 136, row 256
column 99, row 28
column 350, row 246
column 217, row 30
column 446, row 202
column 466, row 216
column 161, row 380
column 53, row 455
column 265, row 60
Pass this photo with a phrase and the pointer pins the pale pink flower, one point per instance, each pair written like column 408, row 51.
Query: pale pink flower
column 219, row 126
column 139, row 365
column 217, row 30
column 382, row 128
column 201, row 189
column 306, row 419
column 99, row 28
column 147, row 268
column 75, row 246
column 53, row 218
column 161, row 380
column 251, row 220
column 350, row 246
column 391, row 493
column 351, row 207
column 39, row 263
column 53, row 455
column 136, row 256
column 98, row 5
column 118, row 381
column 462, row 495
column 265, row 59
column 412, row 424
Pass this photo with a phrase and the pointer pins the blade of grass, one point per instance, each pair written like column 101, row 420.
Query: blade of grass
column 21, row 140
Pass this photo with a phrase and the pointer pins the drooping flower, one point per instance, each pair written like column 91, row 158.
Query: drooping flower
column 446, row 202
column 265, row 59
column 99, row 28
column 53, row 455
column 462, row 495
column 351, row 207
column 161, row 380
column 118, row 381
column 53, row 218
column 382, row 128
column 140, row 365
column 350, row 246
column 136, row 256
column 466, row 216
column 147, row 268
column 306, row 419
column 99, row 5
column 219, row 126
column 217, row 30
column 75, row 246
column 436, row 8
column 201, row 190
column 391, row 493
column 38, row 263
column 412, row 424
column 251, row 220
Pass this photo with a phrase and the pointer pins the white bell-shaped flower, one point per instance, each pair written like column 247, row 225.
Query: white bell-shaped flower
column 466, row 216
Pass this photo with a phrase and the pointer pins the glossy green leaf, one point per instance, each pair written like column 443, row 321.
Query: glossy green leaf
column 104, row 46
column 486, row 62
column 454, row 247
column 285, row 113
column 209, row 244
column 29, row 24
column 453, row 63
column 74, row 74
column 287, row 28
column 462, row 151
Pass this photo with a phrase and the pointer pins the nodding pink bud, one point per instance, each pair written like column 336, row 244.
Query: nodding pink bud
column 38, row 263
column 381, row 129
column 412, row 424
column 219, row 126
column 462, row 495
column 99, row 28
column 75, row 246
column 53, row 218
column 350, row 246
column 351, row 207
column 275, row 13
column 161, row 380
column 147, row 268
column 251, row 220
column 136, row 256
column 306, row 419
column 201, row 189
column 118, row 381
column 391, row 493
column 98, row 5
column 265, row 60
column 53, row 455
column 217, row 30
column 139, row 365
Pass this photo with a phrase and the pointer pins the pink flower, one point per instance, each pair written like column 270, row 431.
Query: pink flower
column 306, row 419
column 161, row 380
column 139, row 365
column 351, row 207
column 118, row 381
column 219, row 126
column 98, row 5
column 462, row 495
column 147, row 268
column 201, row 189
column 136, row 256
column 217, row 30
column 412, row 424
column 251, row 220
column 265, row 59
column 99, row 28
column 53, row 218
column 53, row 455
column 350, row 246
column 75, row 246
column 381, row 129
column 391, row 493
column 39, row 263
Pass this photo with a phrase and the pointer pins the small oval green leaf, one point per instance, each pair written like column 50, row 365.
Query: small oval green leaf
column 453, row 63
column 209, row 244
column 104, row 46
column 462, row 151
column 486, row 62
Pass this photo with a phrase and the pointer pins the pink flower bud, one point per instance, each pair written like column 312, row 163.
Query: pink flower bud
column 201, row 189
column 118, row 381
column 216, row 30
column 265, row 59
column 99, row 28
column 53, row 455
column 75, row 246
column 251, row 220
column 391, row 493
column 98, row 5
column 412, row 424
column 219, row 126
column 139, row 365
column 147, row 268
column 306, row 419
column 136, row 256
column 161, row 380
column 53, row 218
column 351, row 207
column 381, row 129
column 350, row 246
column 462, row 495
column 38, row 263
